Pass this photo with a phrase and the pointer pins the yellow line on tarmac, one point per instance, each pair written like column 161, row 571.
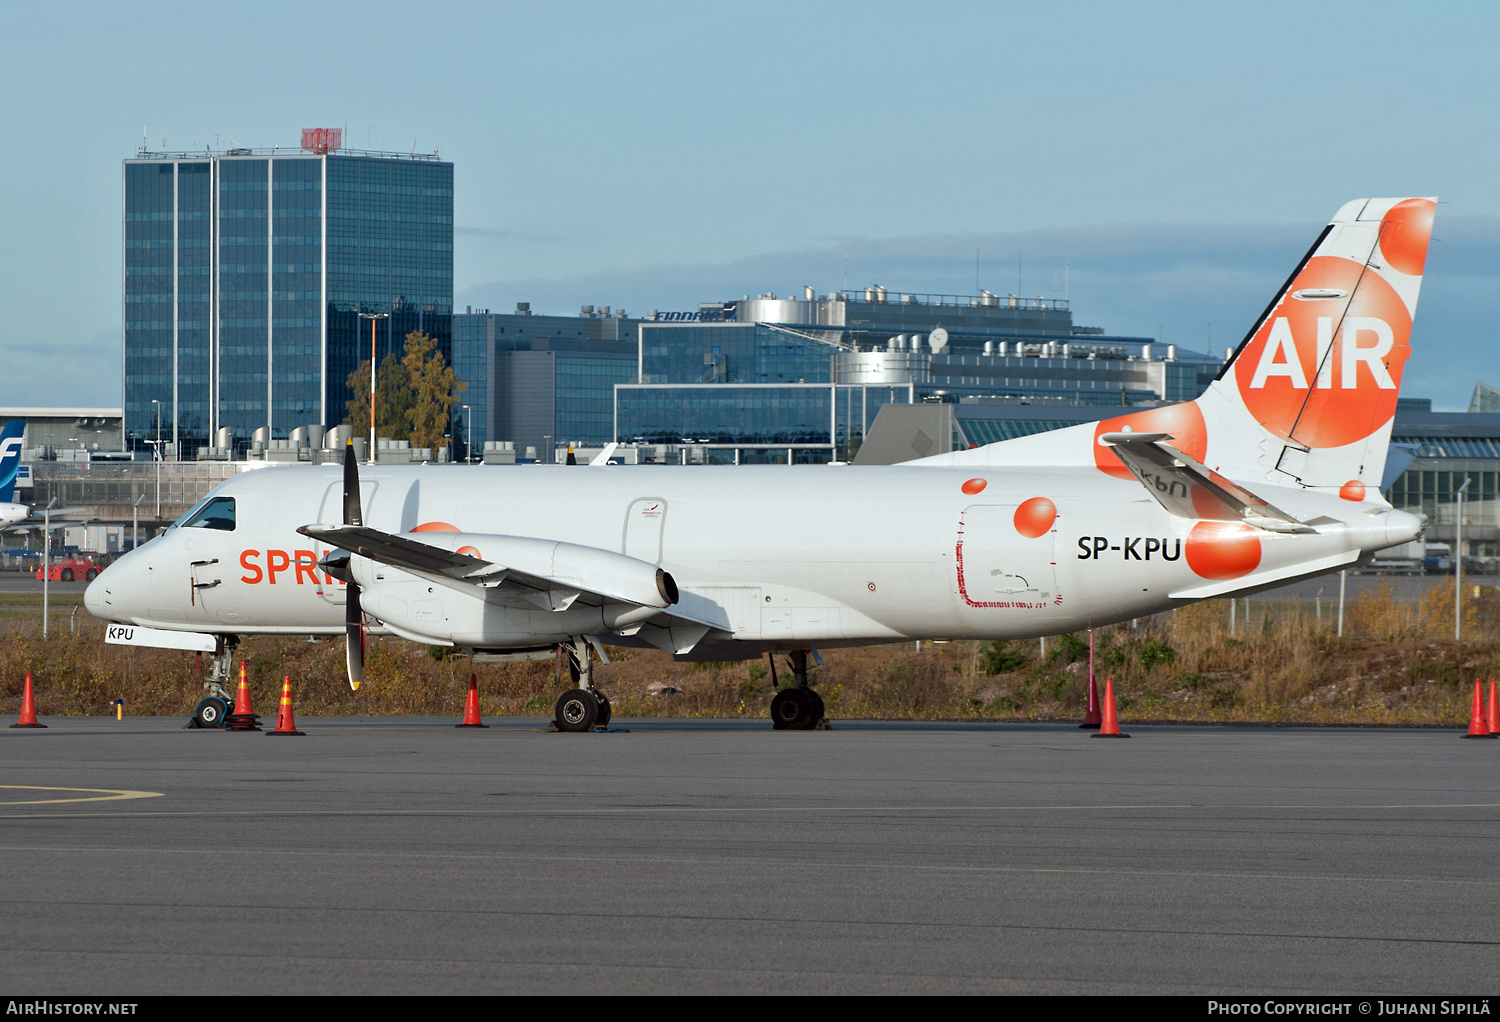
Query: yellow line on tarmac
column 95, row 795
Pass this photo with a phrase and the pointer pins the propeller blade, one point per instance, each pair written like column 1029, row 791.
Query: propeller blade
column 354, row 637
column 354, row 620
column 353, row 515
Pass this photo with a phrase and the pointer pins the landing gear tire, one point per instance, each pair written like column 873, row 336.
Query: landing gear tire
column 577, row 710
column 818, row 713
column 210, row 712
column 792, row 710
column 605, row 710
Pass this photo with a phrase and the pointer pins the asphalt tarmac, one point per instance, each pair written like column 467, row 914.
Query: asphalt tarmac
column 27, row 582
column 405, row 856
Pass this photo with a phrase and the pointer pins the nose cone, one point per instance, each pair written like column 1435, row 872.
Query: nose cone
column 120, row 592
column 97, row 597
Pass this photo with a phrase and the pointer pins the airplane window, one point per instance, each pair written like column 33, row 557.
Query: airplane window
column 217, row 513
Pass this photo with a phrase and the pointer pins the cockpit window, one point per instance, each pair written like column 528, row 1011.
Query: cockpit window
column 217, row 513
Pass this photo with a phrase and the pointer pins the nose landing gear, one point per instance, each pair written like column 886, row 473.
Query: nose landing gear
column 798, row 708
column 213, row 708
column 583, row 707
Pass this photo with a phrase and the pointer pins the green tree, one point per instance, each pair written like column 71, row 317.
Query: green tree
column 393, row 399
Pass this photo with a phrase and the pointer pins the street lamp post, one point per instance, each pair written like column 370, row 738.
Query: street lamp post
column 156, row 447
column 1458, row 562
column 46, row 563
column 469, row 443
column 372, row 317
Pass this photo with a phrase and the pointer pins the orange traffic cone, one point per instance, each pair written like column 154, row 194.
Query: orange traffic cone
column 1109, row 726
column 1478, row 726
column 28, row 708
column 1493, row 717
column 471, row 706
column 286, row 724
column 243, row 718
column 1092, row 718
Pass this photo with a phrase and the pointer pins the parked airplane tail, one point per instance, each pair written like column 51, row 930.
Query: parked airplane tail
column 1309, row 395
column 10, row 457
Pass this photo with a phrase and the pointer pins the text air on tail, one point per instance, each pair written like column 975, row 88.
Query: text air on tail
column 1309, row 395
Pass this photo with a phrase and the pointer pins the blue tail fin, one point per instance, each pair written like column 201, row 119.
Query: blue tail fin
column 10, row 458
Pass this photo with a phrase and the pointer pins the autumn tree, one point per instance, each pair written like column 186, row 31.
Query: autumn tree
column 414, row 394
column 435, row 388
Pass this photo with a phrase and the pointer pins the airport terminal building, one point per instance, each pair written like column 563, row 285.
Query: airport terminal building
column 535, row 379
column 246, row 273
column 768, row 379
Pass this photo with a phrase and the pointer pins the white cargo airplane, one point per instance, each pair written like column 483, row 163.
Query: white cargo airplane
column 1271, row 475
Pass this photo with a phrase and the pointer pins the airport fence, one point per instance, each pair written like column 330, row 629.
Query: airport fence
column 1396, row 665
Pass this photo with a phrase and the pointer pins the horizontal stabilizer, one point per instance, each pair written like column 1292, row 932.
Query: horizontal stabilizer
column 1189, row 489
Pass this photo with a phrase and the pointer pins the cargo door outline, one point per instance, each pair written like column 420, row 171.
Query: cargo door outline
column 641, row 536
column 997, row 567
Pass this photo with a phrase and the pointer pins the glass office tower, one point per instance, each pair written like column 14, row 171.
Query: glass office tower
column 246, row 273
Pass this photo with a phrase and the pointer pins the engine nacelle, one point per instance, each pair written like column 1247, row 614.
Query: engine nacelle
column 428, row 611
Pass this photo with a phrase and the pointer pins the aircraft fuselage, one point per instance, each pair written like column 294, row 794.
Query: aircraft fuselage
column 776, row 557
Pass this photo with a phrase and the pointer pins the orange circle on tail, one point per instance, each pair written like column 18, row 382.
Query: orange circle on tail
column 1277, row 373
column 1222, row 550
column 1034, row 517
column 1183, row 422
column 1352, row 490
column 1404, row 236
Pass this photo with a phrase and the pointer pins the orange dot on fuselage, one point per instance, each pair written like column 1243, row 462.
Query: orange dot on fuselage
column 436, row 527
column 973, row 486
column 1222, row 550
column 1035, row 516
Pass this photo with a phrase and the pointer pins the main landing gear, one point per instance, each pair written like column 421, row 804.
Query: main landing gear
column 798, row 708
column 583, row 707
column 213, row 708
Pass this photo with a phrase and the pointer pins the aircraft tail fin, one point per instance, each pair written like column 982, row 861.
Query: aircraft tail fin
column 1309, row 395
column 11, row 439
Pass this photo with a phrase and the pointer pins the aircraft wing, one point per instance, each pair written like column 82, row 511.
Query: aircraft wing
column 1190, row 489
column 670, row 627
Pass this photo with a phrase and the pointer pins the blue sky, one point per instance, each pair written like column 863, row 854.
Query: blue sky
column 1176, row 158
